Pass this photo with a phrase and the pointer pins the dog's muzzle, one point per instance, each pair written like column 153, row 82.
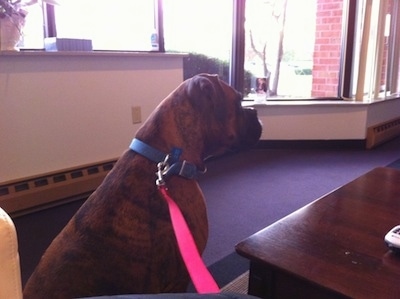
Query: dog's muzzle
column 250, row 129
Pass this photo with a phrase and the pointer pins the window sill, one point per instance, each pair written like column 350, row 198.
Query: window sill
column 90, row 53
column 325, row 103
column 320, row 120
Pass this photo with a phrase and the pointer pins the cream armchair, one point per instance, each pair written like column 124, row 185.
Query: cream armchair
column 10, row 272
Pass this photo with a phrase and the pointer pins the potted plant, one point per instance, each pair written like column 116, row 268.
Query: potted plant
column 12, row 21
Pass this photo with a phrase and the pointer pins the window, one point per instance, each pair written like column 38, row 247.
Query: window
column 202, row 28
column 295, row 46
column 376, row 68
column 33, row 33
column 309, row 49
column 124, row 25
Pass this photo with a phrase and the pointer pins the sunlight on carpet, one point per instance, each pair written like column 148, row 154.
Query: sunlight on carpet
column 238, row 285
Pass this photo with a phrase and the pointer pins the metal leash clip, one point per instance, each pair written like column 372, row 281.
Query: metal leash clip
column 162, row 169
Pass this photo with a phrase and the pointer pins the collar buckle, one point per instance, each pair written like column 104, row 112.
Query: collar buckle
column 162, row 169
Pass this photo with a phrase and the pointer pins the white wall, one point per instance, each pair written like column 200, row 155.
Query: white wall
column 323, row 120
column 312, row 122
column 63, row 110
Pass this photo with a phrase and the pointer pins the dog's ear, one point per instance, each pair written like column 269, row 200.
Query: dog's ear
column 205, row 94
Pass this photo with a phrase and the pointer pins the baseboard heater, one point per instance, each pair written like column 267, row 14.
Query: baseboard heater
column 43, row 191
column 382, row 132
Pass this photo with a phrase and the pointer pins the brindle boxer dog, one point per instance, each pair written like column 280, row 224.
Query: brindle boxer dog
column 121, row 240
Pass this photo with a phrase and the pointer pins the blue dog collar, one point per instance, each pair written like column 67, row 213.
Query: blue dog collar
column 181, row 168
column 147, row 151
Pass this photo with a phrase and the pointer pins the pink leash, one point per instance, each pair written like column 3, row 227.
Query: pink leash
column 201, row 277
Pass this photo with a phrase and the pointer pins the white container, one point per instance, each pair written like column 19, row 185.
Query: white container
column 154, row 41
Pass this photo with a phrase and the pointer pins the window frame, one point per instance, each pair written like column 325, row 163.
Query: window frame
column 237, row 72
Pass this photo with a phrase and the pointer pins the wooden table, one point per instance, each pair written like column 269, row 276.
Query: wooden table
column 333, row 247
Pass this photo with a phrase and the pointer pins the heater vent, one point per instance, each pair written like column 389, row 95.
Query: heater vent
column 382, row 132
column 39, row 192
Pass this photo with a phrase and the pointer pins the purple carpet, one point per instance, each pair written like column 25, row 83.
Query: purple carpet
column 248, row 191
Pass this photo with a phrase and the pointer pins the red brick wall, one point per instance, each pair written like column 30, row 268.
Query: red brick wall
column 327, row 48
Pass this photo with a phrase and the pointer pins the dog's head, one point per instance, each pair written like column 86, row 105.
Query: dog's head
column 205, row 117
column 227, row 124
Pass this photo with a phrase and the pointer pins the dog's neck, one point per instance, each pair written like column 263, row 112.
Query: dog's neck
column 168, row 163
